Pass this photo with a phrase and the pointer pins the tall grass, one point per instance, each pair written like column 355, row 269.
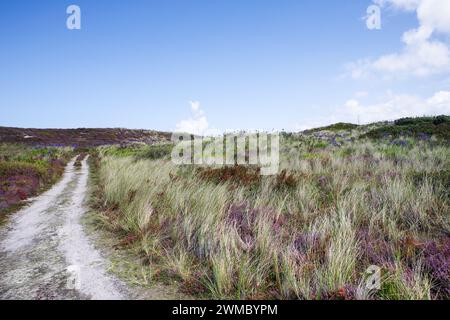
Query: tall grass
column 308, row 233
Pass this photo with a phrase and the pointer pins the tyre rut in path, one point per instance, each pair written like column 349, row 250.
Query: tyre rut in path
column 45, row 254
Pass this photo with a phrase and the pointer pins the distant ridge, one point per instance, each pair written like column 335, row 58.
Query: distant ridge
column 81, row 137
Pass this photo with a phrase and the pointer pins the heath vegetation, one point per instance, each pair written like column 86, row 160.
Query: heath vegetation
column 26, row 170
column 344, row 199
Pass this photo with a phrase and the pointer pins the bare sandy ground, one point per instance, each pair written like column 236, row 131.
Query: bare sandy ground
column 46, row 254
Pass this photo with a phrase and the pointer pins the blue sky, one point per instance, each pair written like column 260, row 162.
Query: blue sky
column 219, row 64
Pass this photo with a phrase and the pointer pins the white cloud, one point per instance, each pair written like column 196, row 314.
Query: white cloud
column 195, row 106
column 197, row 124
column 393, row 107
column 421, row 55
column 435, row 14
column 441, row 100
column 396, row 106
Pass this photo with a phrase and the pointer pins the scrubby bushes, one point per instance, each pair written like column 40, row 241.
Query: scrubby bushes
column 422, row 120
column 423, row 128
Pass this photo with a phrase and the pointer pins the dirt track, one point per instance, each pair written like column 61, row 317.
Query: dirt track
column 45, row 253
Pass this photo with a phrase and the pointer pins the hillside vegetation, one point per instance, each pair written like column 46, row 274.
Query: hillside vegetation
column 346, row 198
column 25, row 171
column 421, row 128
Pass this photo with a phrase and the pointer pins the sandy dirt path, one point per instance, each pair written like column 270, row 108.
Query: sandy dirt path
column 45, row 253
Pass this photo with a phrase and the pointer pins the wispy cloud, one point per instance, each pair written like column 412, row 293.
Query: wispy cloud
column 361, row 94
column 393, row 106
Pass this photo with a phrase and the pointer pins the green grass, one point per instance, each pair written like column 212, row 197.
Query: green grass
column 156, row 152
